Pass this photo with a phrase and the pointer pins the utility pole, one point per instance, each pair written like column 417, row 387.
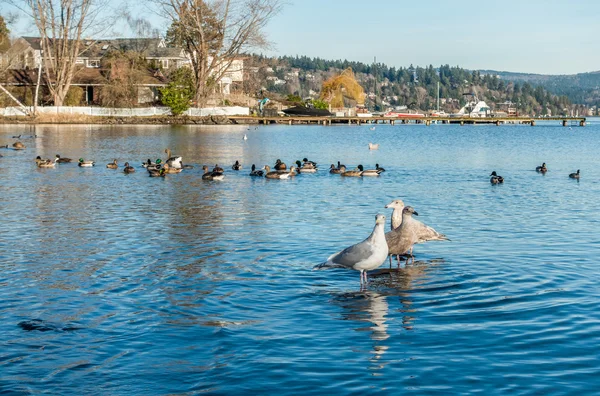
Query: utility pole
column 438, row 98
column 375, row 83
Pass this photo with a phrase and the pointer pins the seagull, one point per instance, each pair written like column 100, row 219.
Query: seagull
column 366, row 255
column 373, row 146
column 245, row 137
column 372, row 128
column 402, row 239
column 423, row 232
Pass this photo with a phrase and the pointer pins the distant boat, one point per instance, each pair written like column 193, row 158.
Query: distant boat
column 307, row 112
column 403, row 114
column 440, row 113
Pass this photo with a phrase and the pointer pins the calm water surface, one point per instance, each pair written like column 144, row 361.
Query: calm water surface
column 182, row 286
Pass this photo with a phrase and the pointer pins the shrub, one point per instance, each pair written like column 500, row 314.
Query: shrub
column 74, row 96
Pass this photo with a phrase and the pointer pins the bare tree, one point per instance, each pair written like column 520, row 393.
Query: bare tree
column 215, row 32
column 62, row 26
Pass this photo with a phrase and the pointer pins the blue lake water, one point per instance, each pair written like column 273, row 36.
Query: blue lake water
column 182, row 286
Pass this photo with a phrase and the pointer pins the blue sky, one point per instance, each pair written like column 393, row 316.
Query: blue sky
column 534, row 36
column 547, row 37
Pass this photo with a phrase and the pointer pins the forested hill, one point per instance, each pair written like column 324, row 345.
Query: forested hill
column 583, row 88
column 413, row 87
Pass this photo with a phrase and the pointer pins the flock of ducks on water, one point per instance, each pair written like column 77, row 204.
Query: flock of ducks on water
column 495, row 179
column 364, row 256
column 174, row 164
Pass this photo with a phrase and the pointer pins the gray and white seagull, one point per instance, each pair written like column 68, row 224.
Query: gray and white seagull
column 364, row 256
column 424, row 232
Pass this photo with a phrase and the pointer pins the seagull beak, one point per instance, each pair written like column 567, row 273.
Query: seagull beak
column 415, row 213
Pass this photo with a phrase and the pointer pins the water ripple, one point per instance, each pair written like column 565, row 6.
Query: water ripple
column 182, row 286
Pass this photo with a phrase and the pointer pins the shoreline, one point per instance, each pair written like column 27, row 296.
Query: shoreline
column 120, row 120
column 73, row 119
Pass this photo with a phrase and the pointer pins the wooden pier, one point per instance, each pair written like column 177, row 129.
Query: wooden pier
column 298, row 120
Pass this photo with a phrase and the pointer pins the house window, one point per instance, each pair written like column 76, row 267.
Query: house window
column 93, row 63
column 164, row 63
column 79, row 62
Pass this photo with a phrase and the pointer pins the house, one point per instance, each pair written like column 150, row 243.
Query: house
column 26, row 54
column 91, row 52
column 232, row 75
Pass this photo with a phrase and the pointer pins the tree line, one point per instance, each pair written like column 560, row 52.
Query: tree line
column 416, row 87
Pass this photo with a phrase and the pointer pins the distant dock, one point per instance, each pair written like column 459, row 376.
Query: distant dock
column 301, row 120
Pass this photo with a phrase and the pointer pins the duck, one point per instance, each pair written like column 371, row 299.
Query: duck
column 44, row 163
column 278, row 175
column 495, row 179
column 379, row 168
column 62, row 160
column 214, row 175
column 155, row 165
column 237, row 166
column 156, row 171
column 368, row 172
column 170, row 170
column 18, row 146
column 574, row 175
column 172, row 161
column 373, row 146
column 306, row 168
column 147, row 163
column 308, row 164
column 340, row 165
column 256, row 172
column 336, row 171
column 84, row 163
column 112, row 165
column 280, row 166
column 127, row 168
column 351, row 173
column 541, row 168
column 217, row 168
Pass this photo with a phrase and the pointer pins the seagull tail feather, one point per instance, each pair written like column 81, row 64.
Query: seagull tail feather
column 325, row 265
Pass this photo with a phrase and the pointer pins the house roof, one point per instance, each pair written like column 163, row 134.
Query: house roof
column 148, row 47
column 83, row 76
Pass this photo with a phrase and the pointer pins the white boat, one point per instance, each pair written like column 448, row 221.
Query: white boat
column 474, row 109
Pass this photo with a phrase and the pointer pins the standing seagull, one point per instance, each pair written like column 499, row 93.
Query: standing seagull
column 366, row 255
column 423, row 233
column 402, row 239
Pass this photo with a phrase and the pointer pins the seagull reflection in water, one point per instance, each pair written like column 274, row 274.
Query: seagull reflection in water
column 373, row 307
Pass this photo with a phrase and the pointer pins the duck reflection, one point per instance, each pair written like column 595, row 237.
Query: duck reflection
column 373, row 307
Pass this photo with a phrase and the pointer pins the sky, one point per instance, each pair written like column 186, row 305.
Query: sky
column 531, row 36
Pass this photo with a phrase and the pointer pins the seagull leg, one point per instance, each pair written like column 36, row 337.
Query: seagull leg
column 390, row 257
